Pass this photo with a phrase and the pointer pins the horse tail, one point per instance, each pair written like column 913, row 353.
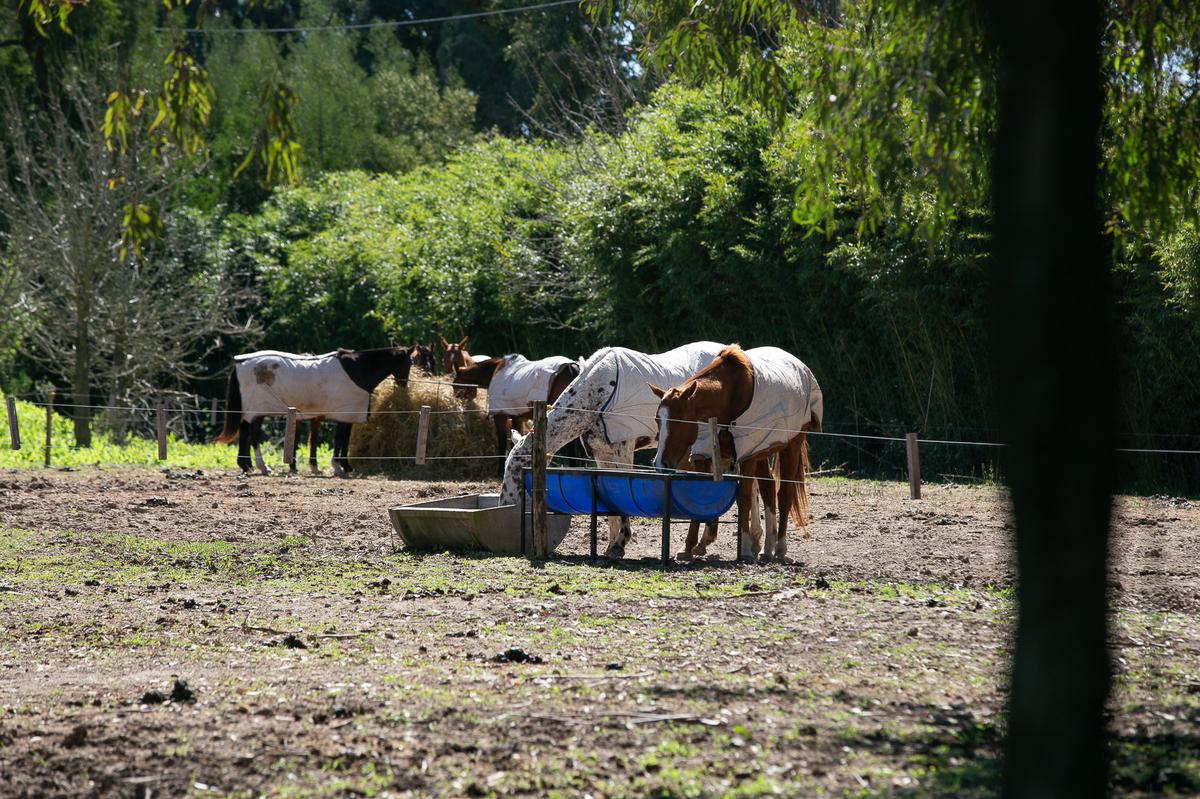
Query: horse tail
column 233, row 410
column 800, row 505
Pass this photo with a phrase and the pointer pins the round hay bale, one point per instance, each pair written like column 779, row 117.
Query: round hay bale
column 456, row 429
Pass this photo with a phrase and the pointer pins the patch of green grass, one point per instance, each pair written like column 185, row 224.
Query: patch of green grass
column 135, row 451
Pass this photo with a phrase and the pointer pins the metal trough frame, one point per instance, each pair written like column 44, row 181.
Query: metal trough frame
column 665, row 477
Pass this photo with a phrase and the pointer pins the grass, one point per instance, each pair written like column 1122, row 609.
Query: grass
column 104, row 451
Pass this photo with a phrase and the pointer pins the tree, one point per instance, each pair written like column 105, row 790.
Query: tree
column 104, row 318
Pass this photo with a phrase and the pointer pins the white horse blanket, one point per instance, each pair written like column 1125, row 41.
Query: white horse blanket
column 519, row 381
column 786, row 396
column 632, row 408
column 315, row 385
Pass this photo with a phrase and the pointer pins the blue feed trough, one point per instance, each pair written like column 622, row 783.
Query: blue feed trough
column 693, row 496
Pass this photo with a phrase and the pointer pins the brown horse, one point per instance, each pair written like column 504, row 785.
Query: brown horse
column 766, row 400
column 516, row 412
column 456, row 357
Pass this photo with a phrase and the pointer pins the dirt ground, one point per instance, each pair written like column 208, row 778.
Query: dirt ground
column 320, row 659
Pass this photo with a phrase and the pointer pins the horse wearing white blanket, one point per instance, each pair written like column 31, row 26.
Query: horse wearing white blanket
column 766, row 400
column 335, row 386
column 513, row 384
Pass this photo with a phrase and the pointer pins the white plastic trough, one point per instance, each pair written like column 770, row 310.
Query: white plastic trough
column 471, row 522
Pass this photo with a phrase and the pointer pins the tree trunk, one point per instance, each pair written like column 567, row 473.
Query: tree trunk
column 1054, row 367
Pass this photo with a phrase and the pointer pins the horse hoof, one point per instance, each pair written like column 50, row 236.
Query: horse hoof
column 784, row 559
column 614, row 555
column 685, row 557
column 764, row 559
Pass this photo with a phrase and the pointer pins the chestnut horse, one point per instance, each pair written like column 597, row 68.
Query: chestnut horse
column 335, row 386
column 766, row 400
column 456, row 357
column 527, row 385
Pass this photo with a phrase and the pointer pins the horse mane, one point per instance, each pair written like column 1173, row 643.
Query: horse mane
column 733, row 352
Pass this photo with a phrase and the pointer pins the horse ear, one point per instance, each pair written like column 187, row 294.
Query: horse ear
column 658, row 392
column 463, row 343
column 690, row 391
column 445, row 344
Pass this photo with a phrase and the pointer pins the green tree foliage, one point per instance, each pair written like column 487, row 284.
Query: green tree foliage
column 682, row 229
column 902, row 94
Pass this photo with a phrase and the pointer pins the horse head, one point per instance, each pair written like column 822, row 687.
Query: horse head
column 399, row 364
column 677, row 424
column 421, row 356
column 455, row 354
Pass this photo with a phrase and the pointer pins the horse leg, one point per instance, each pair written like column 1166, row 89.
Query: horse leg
column 341, row 449
column 243, row 457
column 503, row 441
column 314, row 434
column 256, row 442
column 750, row 543
column 710, row 535
column 619, row 531
column 689, row 547
column 765, row 481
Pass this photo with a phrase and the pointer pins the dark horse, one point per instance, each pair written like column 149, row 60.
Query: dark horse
column 482, row 374
column 336, row 386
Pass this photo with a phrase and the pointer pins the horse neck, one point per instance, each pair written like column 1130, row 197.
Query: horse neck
column 564, row 424
column 486, row 374
column 725, row 393
column 370, row 368
column 577, row 409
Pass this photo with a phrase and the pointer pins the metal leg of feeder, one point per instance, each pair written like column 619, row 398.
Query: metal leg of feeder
column 593, row 517
column 666, row 534
column 522, row 511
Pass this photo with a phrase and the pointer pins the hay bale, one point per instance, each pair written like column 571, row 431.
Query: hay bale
column 466, row 430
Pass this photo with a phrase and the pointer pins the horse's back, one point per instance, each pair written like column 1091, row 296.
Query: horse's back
column 632, row 405
column 315, row 385
column 291, row 356
column 786, row 398
column 520, row 381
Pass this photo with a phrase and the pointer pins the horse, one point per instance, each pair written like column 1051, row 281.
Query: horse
column 610, row 406
column 335, row 386
column 768, row 401
column 456, row 357
column 513, row 382
column 423, row 358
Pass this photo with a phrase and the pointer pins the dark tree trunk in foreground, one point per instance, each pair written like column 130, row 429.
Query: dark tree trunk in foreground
column 1056, row 384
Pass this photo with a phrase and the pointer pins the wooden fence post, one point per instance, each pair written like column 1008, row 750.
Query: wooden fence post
column 914, row 466
column 49, row 425
column 289, row 439
column 715, row 447
column 422, row 434
column 14, row 431
column 161, row 428
column 541, row 542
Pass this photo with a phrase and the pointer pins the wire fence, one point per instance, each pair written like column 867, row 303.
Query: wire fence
column 191, row 418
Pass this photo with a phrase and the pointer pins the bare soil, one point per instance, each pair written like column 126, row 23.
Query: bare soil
column 320, row 659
